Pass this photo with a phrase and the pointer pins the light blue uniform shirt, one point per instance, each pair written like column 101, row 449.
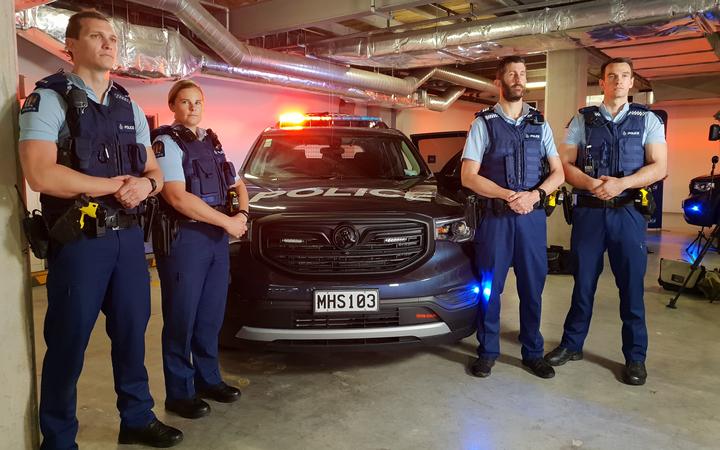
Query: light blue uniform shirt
column 48, row 122
column 171, row 162
column 654, row 132
column 478, row 141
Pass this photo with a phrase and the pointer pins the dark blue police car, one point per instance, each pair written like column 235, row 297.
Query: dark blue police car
column 350, row 244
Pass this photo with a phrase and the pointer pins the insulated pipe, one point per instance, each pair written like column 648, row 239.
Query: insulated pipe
column 592, row 14
column 418, row 99
column 203, row 24
column 434, row 103
column 184, row 50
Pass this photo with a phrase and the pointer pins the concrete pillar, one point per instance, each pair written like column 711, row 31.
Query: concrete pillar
column 564, row 94
column 18, row 414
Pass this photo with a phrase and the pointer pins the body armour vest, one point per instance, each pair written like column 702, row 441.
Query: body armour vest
column 102, row 140
column 515, row 158
column 612, row 149
column 208, row 174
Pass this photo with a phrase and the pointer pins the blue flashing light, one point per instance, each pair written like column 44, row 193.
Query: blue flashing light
column 476, row 289
column 486, row 286
column 695, row 208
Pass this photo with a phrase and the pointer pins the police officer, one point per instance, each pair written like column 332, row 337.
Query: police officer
column 194, row 271
column 610, row 151
column 81, row 134
column 505, row 153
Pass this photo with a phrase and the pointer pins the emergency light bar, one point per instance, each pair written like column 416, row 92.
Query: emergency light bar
column 298, row 121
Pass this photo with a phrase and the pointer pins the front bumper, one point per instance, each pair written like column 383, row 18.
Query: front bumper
column 432, row 304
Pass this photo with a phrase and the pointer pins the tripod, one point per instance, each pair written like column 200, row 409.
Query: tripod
column 698, row 242
column 713, row 235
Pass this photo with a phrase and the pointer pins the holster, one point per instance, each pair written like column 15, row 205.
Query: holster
column 567, row 204
column 37, row 234
column 164, row 232
column 645, row 202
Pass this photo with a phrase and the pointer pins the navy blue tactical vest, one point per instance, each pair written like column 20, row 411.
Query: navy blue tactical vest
column 208, row 174
column 515, row 158
column 612, row 149
column 102, row 140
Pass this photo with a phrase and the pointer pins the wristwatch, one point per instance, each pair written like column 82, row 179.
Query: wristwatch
column 543, row 195
column 153, row 184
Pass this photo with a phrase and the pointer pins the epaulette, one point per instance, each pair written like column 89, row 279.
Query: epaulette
column 592, row 116
column 215, row 140
column 637, row 109
column 58, row 82
column 535, row 117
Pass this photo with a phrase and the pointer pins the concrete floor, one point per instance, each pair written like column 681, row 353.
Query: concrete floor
column 424, row 399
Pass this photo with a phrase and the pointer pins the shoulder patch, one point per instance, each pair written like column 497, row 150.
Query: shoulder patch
column 158, row 148
column 31, row 104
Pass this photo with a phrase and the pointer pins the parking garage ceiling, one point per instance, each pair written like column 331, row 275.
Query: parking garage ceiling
column 674, row 47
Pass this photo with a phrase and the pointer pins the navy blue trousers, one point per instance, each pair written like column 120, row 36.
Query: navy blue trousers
column 107, row 274
column 620, row 231
column 500, row 242
column 194, row 280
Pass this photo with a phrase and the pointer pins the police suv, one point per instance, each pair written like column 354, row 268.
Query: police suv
column 350, row 244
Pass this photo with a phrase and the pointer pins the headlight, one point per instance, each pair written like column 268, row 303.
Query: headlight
column 703, row 186
column 453, row 229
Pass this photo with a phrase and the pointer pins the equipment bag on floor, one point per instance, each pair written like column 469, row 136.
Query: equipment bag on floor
column 559, row 261
column 673, row 273
column 710, row 285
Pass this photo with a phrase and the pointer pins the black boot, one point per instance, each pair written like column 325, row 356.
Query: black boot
column 220, row 393
column 482, row 367
column 539, row 367
column 635, row 373
column 561, row 355
column 156, row 434
column 189, row 408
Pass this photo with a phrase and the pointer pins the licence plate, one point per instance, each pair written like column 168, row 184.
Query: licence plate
column 356, row 300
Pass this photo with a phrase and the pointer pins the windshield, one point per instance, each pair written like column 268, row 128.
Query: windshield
column 309, row 155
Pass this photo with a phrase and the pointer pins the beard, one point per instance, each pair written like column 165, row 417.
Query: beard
column 509, row 95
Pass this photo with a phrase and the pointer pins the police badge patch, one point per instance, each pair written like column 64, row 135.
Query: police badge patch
column 159, row 149
column 32, row 103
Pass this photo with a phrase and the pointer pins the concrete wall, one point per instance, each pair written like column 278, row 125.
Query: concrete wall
column 18, row 423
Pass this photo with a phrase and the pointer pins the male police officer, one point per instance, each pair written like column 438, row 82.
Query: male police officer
column 610, row 152
column 80, row 134
column 510, row 160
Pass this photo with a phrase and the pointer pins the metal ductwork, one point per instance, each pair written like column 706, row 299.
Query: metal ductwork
column 557, row 28
column 234, row 52
column 152, row 53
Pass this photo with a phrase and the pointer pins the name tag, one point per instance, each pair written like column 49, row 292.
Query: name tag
column 124, row 127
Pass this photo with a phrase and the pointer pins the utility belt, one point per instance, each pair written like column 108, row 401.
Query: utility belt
column 584, row 201
column 85, row 216
column 642, row 199
column 500, row 207
column 166, row 223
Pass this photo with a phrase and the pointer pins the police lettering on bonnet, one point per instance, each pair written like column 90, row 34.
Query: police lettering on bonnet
column 511, row 162
column 611, row 153
column 83, row 146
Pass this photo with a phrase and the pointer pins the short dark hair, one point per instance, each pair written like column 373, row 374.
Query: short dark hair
column 75, row 23
column 506, row 62
column 619, row 60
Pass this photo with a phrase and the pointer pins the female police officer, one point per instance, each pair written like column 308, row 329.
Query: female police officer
column 194, row 270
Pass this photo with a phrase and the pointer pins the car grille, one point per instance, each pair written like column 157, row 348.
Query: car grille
column 337, row 321
column 310, row 247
